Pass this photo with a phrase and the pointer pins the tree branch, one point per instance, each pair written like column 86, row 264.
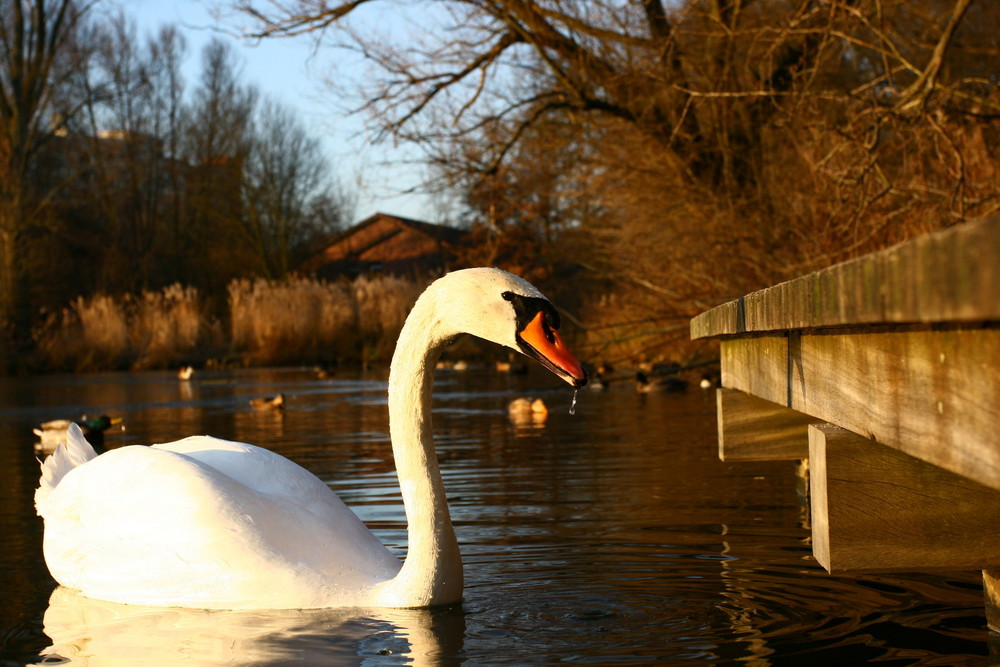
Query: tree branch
column 917, row 93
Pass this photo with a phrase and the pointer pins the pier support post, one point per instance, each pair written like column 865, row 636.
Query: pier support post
column 877, row 509
column 991, row 592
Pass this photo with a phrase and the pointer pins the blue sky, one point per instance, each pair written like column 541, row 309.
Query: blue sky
column 292, row 71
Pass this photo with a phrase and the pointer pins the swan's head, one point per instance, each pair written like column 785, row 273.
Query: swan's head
column 508, row 310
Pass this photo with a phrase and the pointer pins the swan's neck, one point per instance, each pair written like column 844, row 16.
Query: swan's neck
column 432, row 572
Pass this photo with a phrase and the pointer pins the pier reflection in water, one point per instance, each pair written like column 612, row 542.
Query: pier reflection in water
column 612, row 535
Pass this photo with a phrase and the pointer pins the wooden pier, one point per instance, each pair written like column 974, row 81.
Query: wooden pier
column 884, row 373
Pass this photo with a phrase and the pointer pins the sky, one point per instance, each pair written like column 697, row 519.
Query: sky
column 291, row 70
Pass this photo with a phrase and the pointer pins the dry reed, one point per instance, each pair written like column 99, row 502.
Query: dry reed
column 165, row 327
column 89, row 334
column 382, row 306
column 307, row 320
column 297, row 320
column 101, row 332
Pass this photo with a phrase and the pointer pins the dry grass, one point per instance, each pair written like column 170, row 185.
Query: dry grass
column 305, row 320
column 166, row 327
column 297, row 320
column 382, row 305
column 154, row 330
column 294, row 320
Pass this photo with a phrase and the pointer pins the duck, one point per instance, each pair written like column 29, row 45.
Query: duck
column 708, row 381
column 276, row 402
column 526, row 411
column 215, row 524
column 185, row 372
column 646, row 385
column 52, row 433
column 511, row 366
column 598, row 382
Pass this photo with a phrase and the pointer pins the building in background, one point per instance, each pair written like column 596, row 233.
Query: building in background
column 387, row 244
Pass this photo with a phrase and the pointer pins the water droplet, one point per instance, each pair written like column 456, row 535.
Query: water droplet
column 572, row 406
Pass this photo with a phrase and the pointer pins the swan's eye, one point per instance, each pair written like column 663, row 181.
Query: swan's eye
column 547, row 330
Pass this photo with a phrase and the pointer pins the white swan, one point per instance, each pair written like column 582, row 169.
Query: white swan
column 208, row 523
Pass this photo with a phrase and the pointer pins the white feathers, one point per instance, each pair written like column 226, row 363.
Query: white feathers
column 74, row 452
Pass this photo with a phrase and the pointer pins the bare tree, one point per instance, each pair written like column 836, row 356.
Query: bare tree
column 287, row 189
column 260, row 186
column 166, row 53
column 716, row 147
column 132, row 133
column 218, row 139
column 35, row 39
column 709, row 85
column 701, row 79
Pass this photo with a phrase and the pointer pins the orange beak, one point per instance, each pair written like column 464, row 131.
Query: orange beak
column 548, row 348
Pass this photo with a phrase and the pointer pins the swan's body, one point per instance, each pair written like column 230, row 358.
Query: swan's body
column 209, row 523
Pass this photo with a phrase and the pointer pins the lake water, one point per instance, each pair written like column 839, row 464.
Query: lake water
column 612, row 536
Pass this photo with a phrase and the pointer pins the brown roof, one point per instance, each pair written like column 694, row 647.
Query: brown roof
column 388, row 243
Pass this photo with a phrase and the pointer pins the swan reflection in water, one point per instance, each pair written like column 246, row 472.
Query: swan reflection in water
column 93, row 632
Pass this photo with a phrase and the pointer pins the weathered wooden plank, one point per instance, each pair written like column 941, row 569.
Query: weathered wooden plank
column 949, row 276
column 726, row 318
column 756, row 365
column 752, row 429
column 934, row 394
column 877, row 509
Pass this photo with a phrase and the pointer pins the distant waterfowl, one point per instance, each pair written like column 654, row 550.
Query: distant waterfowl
column 708, row 381
column 598, row 382
column 647, row 385
column 208, row 523
column 512, row 367
column 276, row 402
column 528, row 411
column 447, row 365
column 185, row 372
column 52, row 433
column 659, row 369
